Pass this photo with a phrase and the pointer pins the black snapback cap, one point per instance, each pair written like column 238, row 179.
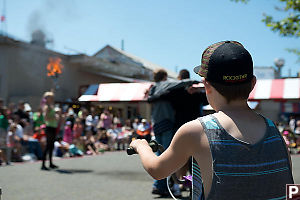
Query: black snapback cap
column 227, row 63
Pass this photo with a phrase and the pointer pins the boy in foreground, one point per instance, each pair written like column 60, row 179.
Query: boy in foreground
column 240, row 154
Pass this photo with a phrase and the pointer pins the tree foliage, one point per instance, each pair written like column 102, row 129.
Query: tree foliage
column 289, row 25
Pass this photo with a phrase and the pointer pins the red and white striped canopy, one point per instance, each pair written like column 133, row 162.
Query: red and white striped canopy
column 276, row 89
column 264, row 89
column 117, row 92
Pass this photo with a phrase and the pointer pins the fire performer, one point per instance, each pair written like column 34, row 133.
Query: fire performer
column 51, row 126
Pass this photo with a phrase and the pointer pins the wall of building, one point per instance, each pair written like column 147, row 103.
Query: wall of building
column 3, row 75
column 25, row 71
column 125, row 64
column 24, row 74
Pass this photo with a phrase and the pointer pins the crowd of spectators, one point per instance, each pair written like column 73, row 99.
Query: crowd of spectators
column 290, row 131
column 85, row 132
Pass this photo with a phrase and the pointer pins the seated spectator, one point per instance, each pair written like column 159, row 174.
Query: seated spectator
column 68, row 135
column 297, row 133
column 102, row 140
column 113, row 134
column 61, row 117
column 117, row 119
column 285, row 136
column 90, row 141
column 124, row 135
column 105, row 120
column 77, row 129
column 92, row 121
column 78, row 139
column 128, row 131
column 14, row 143
column 144, row 130
column 74, row 151
column 27, row 129
column 80, row 143
column 297, row 129
column 71, row 116
column 135, row 123
column 40, row 135
column 21, row 113
column 25, row 139
column 280, row 127
column 61, row 148
column 30, row 144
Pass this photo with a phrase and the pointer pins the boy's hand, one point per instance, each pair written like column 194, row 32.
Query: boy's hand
column 138, row 143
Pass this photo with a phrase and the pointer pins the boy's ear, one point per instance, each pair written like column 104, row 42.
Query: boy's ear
column 253, row 82
column 208, row 87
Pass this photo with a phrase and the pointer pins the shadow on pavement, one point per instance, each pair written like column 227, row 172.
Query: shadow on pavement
column 125, row 175
column 72, row 171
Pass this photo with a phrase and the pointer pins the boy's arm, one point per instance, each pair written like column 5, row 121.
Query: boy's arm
column 183, row 145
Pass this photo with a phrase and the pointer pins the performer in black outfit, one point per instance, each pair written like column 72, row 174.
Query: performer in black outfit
column 51, row 126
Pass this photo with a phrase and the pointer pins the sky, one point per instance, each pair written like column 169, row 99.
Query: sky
column 170, row 33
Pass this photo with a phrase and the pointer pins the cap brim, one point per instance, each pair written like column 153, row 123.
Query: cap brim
column 197, row 69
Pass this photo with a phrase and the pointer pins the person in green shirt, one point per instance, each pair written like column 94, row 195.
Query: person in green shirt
column 3, row 119
column 51, row 122
column 38, row 118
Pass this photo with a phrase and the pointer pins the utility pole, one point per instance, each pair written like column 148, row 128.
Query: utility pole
column 122, row 45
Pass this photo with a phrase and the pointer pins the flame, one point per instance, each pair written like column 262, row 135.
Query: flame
column 54, row 66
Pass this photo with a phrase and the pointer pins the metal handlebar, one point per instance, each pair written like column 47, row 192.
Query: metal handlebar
column 153, row 144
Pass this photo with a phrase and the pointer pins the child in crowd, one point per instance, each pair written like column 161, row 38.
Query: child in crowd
column 297, row 133
column 113, row 133
column 68, row 134
column 102, row 140
column 61, row 148
column 128, row 130
column 90, row 141
column 285, row 135
column 135, row 123
column 233, row 148
column 13, row 144
column 40, row 135
column 77, row 128
column 144, row 130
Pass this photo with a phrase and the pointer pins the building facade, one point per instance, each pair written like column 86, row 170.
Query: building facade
column 23, row 71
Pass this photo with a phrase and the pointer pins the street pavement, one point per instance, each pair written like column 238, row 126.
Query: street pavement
column 109, row 176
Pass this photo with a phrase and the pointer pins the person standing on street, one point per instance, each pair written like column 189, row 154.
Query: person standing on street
column 51, row 126
column 163, row 118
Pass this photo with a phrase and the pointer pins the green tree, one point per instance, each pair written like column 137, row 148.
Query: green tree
column 289, row 26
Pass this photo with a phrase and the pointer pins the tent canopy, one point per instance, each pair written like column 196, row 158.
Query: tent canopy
column 116, row 92
column 277, row 89
column 280, row 89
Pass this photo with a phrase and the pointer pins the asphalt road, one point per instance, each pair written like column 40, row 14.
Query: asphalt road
column 112, row 175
